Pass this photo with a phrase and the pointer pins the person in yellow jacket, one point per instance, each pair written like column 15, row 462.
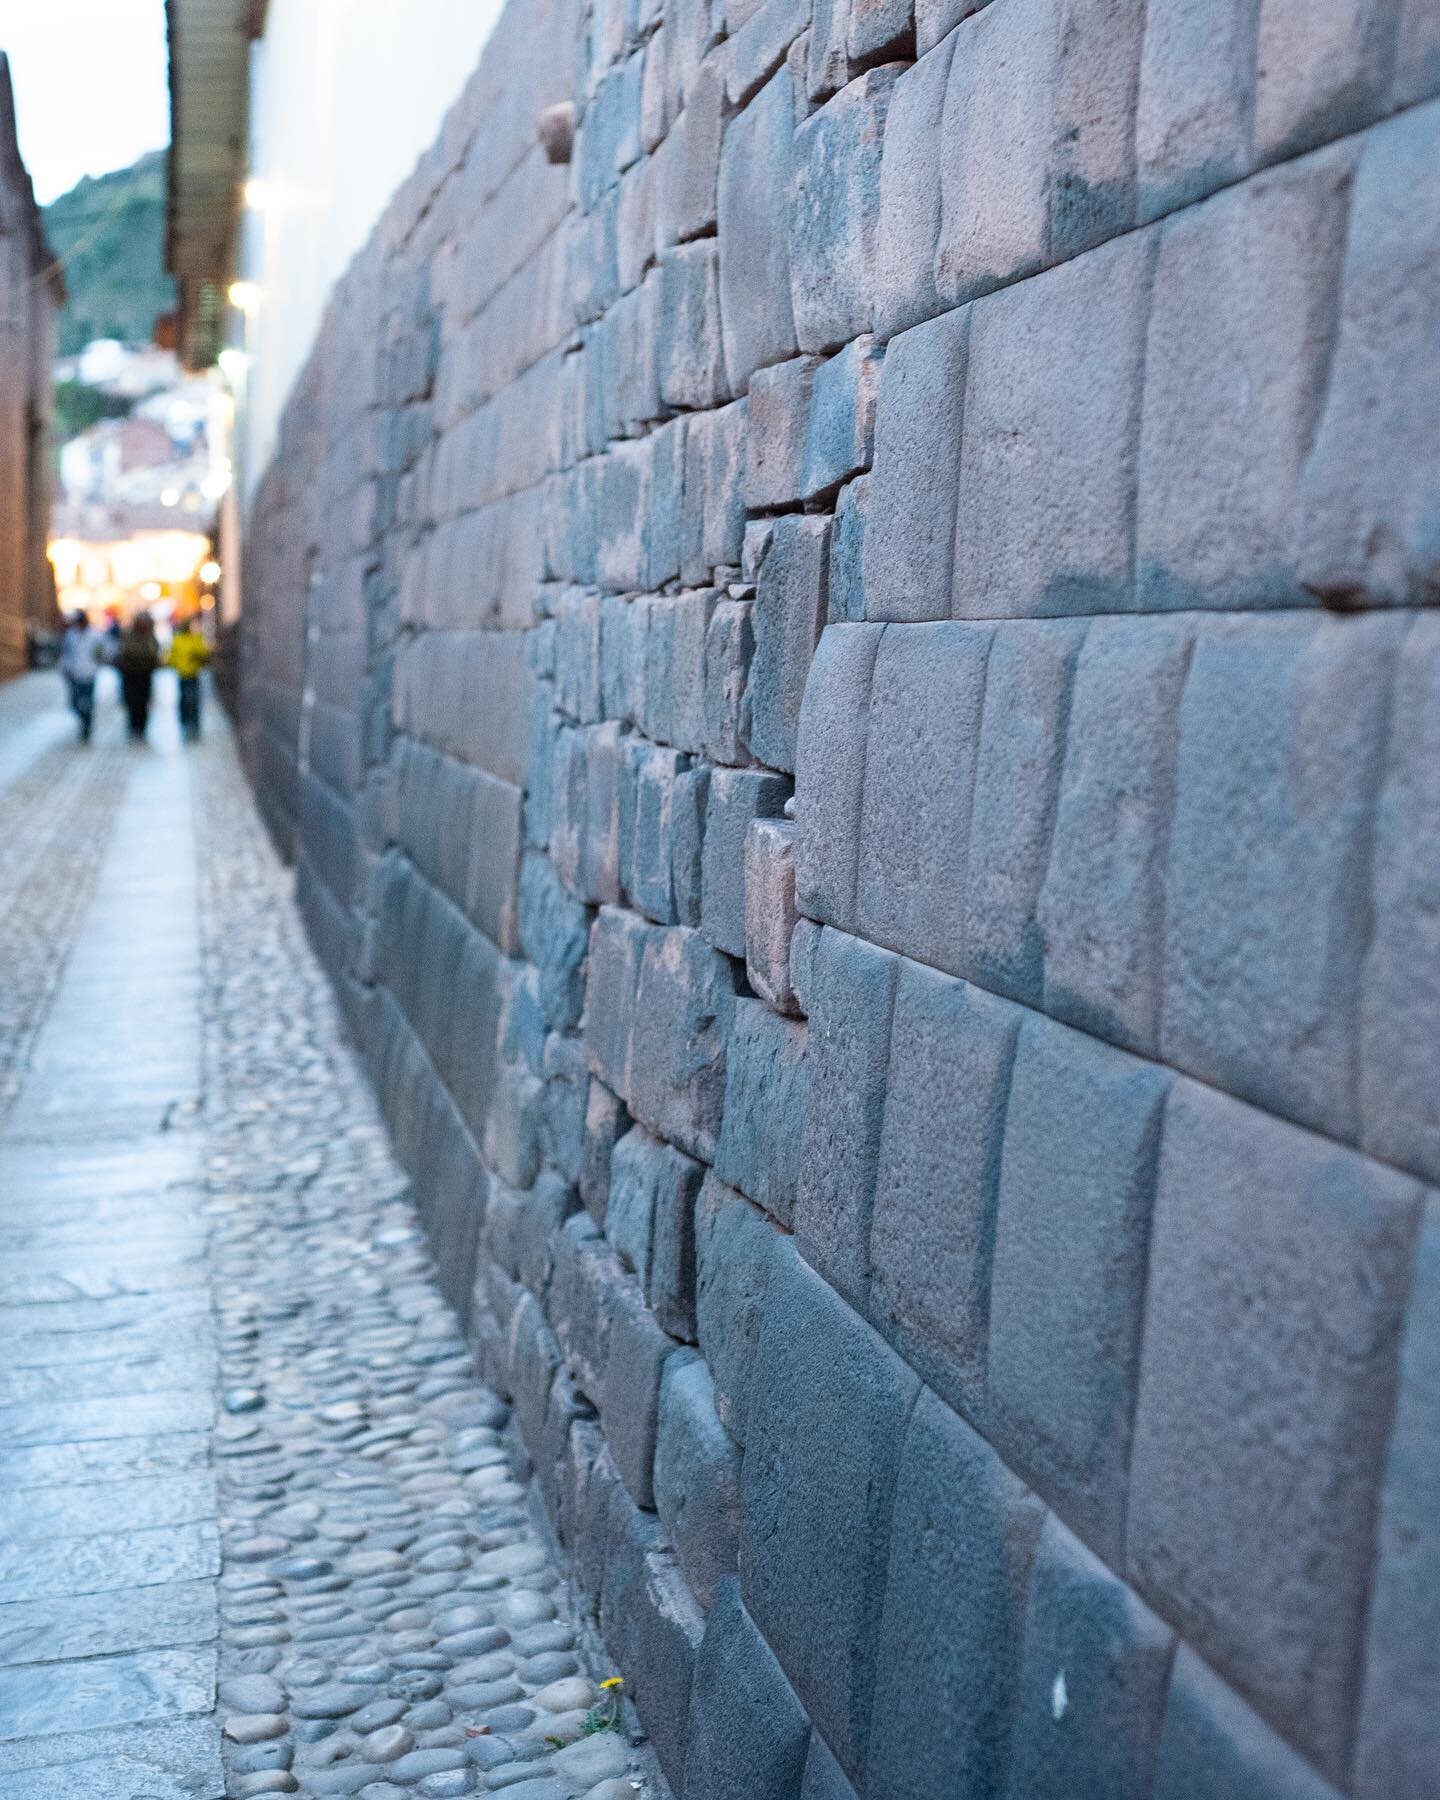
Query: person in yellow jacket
column 187, row 656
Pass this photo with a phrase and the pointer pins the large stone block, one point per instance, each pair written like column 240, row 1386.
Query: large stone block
column 687, row 866
column 736, row 797
column 737, row 1252
column 1398, row 1746
column 1282, row 736
column 729, row 645
column 692, row 613
column 688, row 162
column 1195, row 98
column 1101, row 905
column 554, row 932
column 789, row 615
column 921, row 755
column 606, row 1122
column 779, row 424
column 1237, row 351
column 1051, row 425
column 908, row 557
column 765, row 1093
column 759, row 322
column 617, row 946
column 1082, row 1131
column 949, row 1639
column 846, row 600
column 824, row 1778
column 697, row 1477
column 938, row 1175
column 851, row 999
column 770, row 910
column 840, row 432
column 713, row 523
column 1279, row 1265
column 1211, row 1743
column 1319, row 72
column 1022, row 746
column 1037, row 157
column 1400, row 997
column 748, row 1732
column 1369, row 525
column 829, row 1406
column 757, row 48
column 585, row 833
column 648, row 856
column 691, row 356
column 830, row 772
column 637, row 1350
column 585, row 1277
column 683, row 1004
column 653, row 1628
column 1091, row 1690
column 903, row 284
column 835, row 212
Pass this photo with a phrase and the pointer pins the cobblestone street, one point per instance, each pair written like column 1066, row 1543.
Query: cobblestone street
column 260, row 1531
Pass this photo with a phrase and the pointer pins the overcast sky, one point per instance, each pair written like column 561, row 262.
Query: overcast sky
column 90, row 85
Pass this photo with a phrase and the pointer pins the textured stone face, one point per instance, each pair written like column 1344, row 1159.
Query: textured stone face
column 852, row 676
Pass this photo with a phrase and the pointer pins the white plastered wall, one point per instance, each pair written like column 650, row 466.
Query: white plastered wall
column 344, row 96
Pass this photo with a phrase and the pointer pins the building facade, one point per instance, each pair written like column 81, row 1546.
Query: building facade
column 30, row 295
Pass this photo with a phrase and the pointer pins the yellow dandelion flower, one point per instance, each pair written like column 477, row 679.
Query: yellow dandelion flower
column 614, row 1682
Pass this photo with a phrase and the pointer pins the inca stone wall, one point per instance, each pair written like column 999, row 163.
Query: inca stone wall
column 982, row 1203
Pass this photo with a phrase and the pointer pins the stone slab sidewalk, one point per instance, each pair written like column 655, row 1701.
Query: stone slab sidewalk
column 260, row 1532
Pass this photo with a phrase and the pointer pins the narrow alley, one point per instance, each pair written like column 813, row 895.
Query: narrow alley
column 258, row 1522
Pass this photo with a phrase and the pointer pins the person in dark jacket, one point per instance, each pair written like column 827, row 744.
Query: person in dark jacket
column 137, row 657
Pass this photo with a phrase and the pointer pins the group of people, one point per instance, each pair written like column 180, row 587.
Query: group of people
column 135, row 653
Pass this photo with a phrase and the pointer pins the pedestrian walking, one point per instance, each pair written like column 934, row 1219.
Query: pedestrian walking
column 137, row 657
column 80, row 658
column 187, row 656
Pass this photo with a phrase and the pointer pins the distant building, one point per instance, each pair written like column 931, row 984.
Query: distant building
column 31, row 291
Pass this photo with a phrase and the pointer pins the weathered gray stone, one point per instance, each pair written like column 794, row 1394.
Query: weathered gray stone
column 617, row 946
column 829, row 1406
column 1368, row 532
column 770, row 910
column 789, row 615
column 630, row 1402
column 735, row 798
column 683, row 1004
column 830, row 772
column 779, row 424
column 1082, row 1131
column 1192, row 118
column 747, row 1731
column 737, row 1252
column 729, row 645
column 755, row 304
column 851, row 999
column 846, row 584
column 697, row 1477
column 1229, row 408
column 840, row 433
column 1091, row 1686
column 1253, row 1219
column 766, row 1087
column 903, row 283
column 948, row 1647
column 691, row 355
column 1051, row 427
column 834, row 222
column 908, row 555
column 1211, row 1743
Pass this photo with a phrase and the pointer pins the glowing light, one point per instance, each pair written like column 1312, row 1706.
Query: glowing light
column 215, row 487
column 258, row 194
column 150, row 590
column 244, row 296
column 209, row 571
column 234, row 363
column 170, row 497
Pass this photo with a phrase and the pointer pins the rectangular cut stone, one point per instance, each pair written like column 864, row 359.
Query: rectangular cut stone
column 851, row 996
column 145, row 1685
column 1237, row 350
column 770, row 910
column 1101, row 904
column 59, row 1629
column 789, row 615
column 830, row 772
column 908, row 556
column 1052, row 415
column 759, row 322
column 962, row 1543
column 765, row 1094
column 697, row 1477
column 829, row 1406
column 1082, row 1131
column 736, row 798
column 921, row 754
column 1264, row 1560
column 904, row 278
column 835, row 212
column 1366, row 531
column 1193, row 111
column 738, row 1251
column 683, row 1006
column 938, row 1175
column 1281, row 743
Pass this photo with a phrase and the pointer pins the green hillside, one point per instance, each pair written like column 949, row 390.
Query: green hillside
column 109, row 232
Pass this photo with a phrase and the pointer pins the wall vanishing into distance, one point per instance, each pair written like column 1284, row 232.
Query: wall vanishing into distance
column 989, row 1209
